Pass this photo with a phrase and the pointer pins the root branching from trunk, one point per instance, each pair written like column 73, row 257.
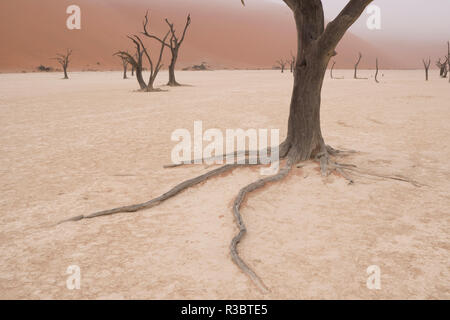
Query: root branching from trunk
column 243, row 193
column 327, row 165
column 155, row 201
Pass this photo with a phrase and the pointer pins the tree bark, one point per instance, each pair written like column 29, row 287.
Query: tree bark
column 65, row 73
column 304, row 133
column 316, row 46
column 172, row 81
column 125, row 71
column 140, row 78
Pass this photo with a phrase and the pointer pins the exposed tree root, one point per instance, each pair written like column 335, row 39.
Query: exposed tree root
column 283, row 150
column 344, row 167
column 327, row 165
column 153, row 202
column 243, row 193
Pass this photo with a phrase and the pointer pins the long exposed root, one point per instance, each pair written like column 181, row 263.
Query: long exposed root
column 153, row 202
column 327, row 165
column 243, row 193
column 353, row 168
column 245, row 153
column 334, row 152
column 283, row 149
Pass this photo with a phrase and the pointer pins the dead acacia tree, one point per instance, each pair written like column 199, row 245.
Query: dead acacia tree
column 137, row 62
column 355, row 76
column 331, row 72
column 173, row 44
column 125, row 64
column 448, row 58
column 282, row 64
column 142, row 51
column 426, row 65
column 304, row 141
column 376, row 73
column 64, row 60
column 442, row 68
column 292, row 62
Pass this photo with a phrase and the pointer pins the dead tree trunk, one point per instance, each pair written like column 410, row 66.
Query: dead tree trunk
column 355, row 76
column 376, row 73
column 426, row 65
column 331, row 72
column 174, row 45
column 442, row 68
column 448, row 59
column 64, row 60
column 125, row 66
column 141, row 50
column 292, row 63
column 132, row 66
column 282, row 64
column 316, row 46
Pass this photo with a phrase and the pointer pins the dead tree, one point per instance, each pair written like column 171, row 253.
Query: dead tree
column 64, row 60
column 292, row 62
column 304, row 140
column 125, row 64
column 448, row 58
column 376, row 73
column 426, row 65
column 282, row 64
column 442, row 68
column 174, row 45
column 331, row 72
column 137, row 62
column 355, row 76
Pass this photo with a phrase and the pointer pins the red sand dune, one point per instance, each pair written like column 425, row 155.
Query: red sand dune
column 223, row 33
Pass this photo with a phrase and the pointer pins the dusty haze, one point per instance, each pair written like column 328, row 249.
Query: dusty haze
column 223, row 33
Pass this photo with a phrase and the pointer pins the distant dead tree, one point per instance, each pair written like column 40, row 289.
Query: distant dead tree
column 64, row 60
column 137, row 60
column 331, row 72
column 282, row 64
column 443, row 70
column 292, row 62
column 376, row 73
column 132, row 66
column 448, row 58
column 355, row 76
column 174, row 45
column 426, row 65
column 125, row 64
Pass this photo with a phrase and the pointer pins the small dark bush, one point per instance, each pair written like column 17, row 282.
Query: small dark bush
column 43, row 68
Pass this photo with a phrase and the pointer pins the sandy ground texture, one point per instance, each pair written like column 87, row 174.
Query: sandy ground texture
column 90, row 143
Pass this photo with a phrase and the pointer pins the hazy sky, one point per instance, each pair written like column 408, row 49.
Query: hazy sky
column 406, row 19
